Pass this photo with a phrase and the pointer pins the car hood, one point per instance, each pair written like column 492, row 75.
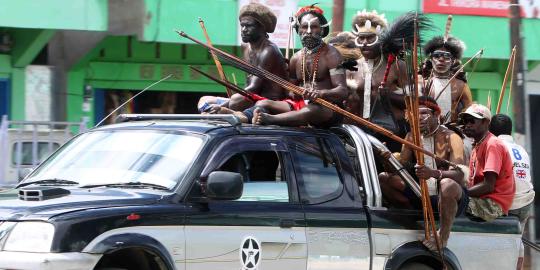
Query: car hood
column 78, row 199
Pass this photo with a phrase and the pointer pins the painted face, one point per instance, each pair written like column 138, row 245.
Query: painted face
column 250, row 29
column 474, row 127
column 441, row 60
column 428, row 119
column 310, row 31
column 369, row 45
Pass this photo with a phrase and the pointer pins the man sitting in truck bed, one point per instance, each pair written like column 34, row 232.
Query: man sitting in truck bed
column 437, row 139
column 491, row 184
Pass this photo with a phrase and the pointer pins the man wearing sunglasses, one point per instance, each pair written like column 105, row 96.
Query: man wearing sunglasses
column 441, row 64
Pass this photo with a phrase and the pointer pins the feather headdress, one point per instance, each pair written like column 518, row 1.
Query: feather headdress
column 401, row 32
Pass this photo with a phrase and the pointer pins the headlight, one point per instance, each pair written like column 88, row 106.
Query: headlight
column 30, row 236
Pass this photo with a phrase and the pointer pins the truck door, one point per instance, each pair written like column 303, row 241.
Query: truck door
column 265, row 228
column 337, row 227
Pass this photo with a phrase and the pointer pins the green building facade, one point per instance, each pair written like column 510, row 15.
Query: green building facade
column 98, row 46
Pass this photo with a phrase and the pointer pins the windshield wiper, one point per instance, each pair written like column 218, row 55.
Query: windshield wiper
column 129, row 185
column 49, row 181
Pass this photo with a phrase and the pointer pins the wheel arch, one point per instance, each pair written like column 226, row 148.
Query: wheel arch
column 122, row 241
column 411, row 251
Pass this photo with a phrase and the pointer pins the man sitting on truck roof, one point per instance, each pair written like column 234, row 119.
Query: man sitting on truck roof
column 445, row 143
column 317, row 68
column 256, row 21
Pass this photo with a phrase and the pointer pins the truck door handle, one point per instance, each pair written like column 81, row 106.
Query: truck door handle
column 286, row 223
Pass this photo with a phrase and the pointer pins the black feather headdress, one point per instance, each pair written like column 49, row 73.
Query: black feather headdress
column 401, row 32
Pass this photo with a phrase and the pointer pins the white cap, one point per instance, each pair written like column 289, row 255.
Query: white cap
column 478, row 111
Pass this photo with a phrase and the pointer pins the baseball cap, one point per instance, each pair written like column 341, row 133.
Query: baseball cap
column 478, row 111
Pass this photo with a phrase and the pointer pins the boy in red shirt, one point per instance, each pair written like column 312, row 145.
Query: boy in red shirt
column 491, row 181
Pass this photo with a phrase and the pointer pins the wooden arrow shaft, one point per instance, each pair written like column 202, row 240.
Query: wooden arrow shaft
column 216, row 59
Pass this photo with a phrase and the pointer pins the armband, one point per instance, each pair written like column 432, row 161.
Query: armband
column 337, row 71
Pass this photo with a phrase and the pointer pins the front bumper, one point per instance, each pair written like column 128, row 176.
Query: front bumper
column 46, row 261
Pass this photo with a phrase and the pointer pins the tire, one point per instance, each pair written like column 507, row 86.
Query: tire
column 421, row 266
column 415, row 266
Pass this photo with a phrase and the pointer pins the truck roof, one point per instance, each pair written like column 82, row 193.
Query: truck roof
column 203, row 125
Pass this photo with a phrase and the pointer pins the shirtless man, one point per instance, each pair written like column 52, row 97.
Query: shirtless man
column 436, row 139
column 316, row 68
column 443, row 61
column 256, row 21
column 382, row 106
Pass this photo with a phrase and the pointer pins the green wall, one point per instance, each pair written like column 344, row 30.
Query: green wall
column 17, row 94
column 115, row 68
column 75, row 86
column 54, row 14
column 121, row 62
column 5, row 65
column 490, row 33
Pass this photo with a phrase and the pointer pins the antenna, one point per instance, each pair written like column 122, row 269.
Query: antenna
column 133, row 97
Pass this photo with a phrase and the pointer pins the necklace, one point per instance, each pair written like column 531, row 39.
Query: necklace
column 314, row 50
column 431, row 134
column 481, row 140
column 442, row 76
column 378, row 64
column 315, row 66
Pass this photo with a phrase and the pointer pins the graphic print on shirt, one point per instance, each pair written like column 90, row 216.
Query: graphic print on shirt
column 521, row 174
column 516, row 154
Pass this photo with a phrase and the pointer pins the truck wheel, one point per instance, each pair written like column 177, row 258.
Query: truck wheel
column 416, row 266
column 421, row 266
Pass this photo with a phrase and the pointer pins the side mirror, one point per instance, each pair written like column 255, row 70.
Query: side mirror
column 24, row 172
column 224, row 185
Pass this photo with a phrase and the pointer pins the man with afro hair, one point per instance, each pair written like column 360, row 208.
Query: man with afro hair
column 256, row 20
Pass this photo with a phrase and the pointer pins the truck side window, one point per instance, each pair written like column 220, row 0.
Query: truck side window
column 261, row 171
column 316, row 170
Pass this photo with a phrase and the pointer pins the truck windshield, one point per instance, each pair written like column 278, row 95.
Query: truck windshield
column 125, row 156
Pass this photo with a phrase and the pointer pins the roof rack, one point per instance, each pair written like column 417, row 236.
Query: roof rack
column 229, row 118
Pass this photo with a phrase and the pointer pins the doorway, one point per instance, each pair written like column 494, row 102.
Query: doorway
column 534, row 101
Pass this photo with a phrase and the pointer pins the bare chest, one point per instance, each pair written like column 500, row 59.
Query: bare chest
column 312, row 69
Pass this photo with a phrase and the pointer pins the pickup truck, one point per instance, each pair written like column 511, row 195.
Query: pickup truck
column 207, row 192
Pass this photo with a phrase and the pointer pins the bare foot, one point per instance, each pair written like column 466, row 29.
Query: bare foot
column 243, row 118
column 431, row 244
column 240, row 115
column 260, row 118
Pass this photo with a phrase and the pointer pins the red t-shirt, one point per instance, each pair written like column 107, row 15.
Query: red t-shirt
column 491, row 156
